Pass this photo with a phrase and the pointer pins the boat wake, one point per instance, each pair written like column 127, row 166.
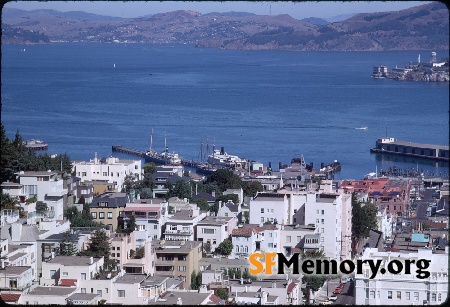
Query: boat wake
column 361, row 128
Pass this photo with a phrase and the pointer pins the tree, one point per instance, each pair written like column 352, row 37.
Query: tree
column 194, row 281
column 314, row 281
column 364, row 218
column 207, row 247
column 67, row 246
column 225, row 247
column 202, row 204
column 250, row 188
column 222, row 293
column 41, row 206
column 225, row 179
column 98, row 246
column 149, row 168
column 181, row 189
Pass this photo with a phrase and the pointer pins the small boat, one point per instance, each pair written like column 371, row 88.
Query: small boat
column 362, row 128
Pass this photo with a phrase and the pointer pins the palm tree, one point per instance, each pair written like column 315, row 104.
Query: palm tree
column 10, row 202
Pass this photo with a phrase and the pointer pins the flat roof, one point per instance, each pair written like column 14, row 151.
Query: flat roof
column 56, row 291
column 418, row 145
column 73, row 260
column 131, row 279
column 82, row 296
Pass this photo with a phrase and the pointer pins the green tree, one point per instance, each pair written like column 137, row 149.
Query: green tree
column 67, row 246
column 181, row 189
column 225, row 247
column 225, row 179
column 364, row 218
column 202, row 204
column 41, row 206
column 222, row 293
column 314, row 281
column 149, row 168
column 251, row 188
column 194, row 281
column 98, row 246
column 207, row 247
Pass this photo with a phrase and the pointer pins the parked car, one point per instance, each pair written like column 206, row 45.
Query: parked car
column 337, row 291
column 341, row 285
column 326, row 303
column 332, row 298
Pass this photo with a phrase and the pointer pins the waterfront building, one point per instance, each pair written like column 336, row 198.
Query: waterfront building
column 403, row 289
column 110, row 170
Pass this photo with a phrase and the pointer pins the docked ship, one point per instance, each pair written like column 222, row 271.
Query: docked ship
column 165, row 157
column 221, row 159
column 35, row 144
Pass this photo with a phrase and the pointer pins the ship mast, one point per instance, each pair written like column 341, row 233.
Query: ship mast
column 151, row 141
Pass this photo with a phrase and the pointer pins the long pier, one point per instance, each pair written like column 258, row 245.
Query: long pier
column 200, row 168
column 417, row 150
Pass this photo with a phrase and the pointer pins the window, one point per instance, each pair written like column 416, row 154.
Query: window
column 83, row 290
column 407, row 296
column 83, row 276
column 323, row 221
column 101, row 215
column 416, row 296
column 270, row 245
column 83, row 174
column 94, row 215
column 118, row 248
column 439, row 296
column 295, row 211
column 262, row 210
column 226, row 214
column 323, row 212
column 99, row 292
column 433, row 297
column 317, row 221
column 226, row 228
column 268, row 210
column 317, row 211
column 106, row 290
column 121, row 293
column 321, row 230
column 105, row 174
column 295, row 220
column 270, row 234
column 390, row 295
column 182, row 268
column 65, row 274
column 118, row 255
column 322, row 239
column 208, row 230
column 109, row 215
column 372, row 294
column 288, row 239
column 92, row 290
column 113, row 254
column 299, row 238
column 182, row 258
column 271, row 210
column 52, row 273
column 155, row 226
column 262, row 220
column 399, row 295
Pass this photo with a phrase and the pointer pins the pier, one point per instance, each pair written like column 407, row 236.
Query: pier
column 417, row 150
column 201, row 168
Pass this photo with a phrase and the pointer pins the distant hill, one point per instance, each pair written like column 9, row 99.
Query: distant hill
column 316, row 21
column 8, row 13
column 424, row 27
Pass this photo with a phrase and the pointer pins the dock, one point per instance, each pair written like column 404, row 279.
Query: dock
column 392, row 146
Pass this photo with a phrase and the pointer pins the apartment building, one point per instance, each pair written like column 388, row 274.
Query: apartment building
column 215, row 229
column 177, row 259
column 403, row 288
column 110, row 170
column 106, row 208
column 250, row 238
column 183, row 224
column 269, row 207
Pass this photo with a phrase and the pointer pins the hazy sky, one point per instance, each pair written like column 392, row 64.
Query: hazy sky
column 299, row 10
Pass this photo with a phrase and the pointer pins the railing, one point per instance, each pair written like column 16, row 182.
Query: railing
column 179, row 232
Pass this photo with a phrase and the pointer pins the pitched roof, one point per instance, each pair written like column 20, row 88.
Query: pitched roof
column 9, row 297
column 68, row 282
column 215, row 299
column 291, row 287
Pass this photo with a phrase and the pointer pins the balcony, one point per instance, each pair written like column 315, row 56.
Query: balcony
column 179, row 232
column 160, row 262
column 57, row 192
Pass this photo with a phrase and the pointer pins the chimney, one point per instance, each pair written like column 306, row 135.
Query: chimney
column 242, row 281
column 91, row 260
column 179, row 302
column 53, row 255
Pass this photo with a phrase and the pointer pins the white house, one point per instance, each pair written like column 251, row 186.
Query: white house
column 181, row 226
column 110, row 170
column 403, row 289
column 47, row 187
column 269, row 207
column 47, row 295
column 251, row 238
column 215, row 230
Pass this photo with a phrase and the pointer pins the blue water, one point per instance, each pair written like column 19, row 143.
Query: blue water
column 268, row 106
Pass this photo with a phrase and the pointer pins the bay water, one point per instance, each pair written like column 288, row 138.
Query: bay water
column 267, row 106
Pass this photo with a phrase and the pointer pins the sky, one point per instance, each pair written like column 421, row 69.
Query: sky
column 298, row 10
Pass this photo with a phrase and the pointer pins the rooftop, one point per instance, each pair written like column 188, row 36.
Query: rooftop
column 163, row 246
column 214, row 220
column 82, row 296
column 187, row 298
column 73, row 260
column 15, row 270
column 131, row 279
column 56, row 291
